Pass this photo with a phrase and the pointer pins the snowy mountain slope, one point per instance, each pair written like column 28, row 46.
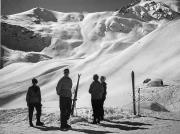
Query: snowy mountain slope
column 38, row 27
column 107, row 43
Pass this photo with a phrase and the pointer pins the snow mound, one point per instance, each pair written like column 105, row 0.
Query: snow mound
column 158, row 107
column 160, row 98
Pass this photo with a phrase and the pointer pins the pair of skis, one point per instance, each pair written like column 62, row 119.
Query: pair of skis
column 75, row 95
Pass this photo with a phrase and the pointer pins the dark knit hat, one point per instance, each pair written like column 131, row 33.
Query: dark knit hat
column 34, row 81
column 95, row 77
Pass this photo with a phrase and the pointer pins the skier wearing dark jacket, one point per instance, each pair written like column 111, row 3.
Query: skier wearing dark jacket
column 33, row 99
column 96, row 92
column 104, row 85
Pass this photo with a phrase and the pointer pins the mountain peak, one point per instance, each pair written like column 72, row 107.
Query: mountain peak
column 39, row 9
column 148, row 10
column 42, row 14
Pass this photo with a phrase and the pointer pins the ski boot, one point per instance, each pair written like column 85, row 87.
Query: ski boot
column 39, row 123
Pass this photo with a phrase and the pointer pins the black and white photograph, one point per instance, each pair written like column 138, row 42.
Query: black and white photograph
column 90, row 67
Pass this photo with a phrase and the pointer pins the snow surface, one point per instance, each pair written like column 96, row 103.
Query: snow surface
column 116, row 122
column 41, row 43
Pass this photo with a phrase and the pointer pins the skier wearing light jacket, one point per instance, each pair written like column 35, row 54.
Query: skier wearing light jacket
column 63, row 89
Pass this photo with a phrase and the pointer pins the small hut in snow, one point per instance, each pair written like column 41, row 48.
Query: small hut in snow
column 155, row 83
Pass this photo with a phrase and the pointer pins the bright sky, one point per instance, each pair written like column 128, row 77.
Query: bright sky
column 16, row 6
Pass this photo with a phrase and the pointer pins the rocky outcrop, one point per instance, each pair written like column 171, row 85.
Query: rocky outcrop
column 19, row 38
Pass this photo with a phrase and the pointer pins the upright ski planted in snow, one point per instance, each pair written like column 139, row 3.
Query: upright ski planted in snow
column 1, row 58
column 133, row 89
column 75, row 95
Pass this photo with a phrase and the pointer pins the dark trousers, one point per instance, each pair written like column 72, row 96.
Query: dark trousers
column 102, row 108
column 31, row 107
column 65, row 108
column 96, row 106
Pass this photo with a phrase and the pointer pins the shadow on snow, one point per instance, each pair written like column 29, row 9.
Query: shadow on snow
column 122, row 127
column 129, row 123
column 88, row 131
column 47, row 128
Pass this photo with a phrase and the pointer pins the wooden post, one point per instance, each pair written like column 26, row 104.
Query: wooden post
column 133, row 89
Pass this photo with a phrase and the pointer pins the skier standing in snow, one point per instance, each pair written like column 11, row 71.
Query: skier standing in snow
column 64, row 91
column 33, row 99
column 104, row 85
column 96, row 92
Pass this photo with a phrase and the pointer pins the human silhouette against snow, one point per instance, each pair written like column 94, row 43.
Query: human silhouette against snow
column 104, row 85
column 64, row 91
column 96, row 92
column 33, row 99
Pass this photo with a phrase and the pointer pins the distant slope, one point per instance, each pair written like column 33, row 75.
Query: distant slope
column 107, row 43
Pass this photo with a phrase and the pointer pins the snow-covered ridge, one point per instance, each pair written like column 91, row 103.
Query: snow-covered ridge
column 45, row 30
